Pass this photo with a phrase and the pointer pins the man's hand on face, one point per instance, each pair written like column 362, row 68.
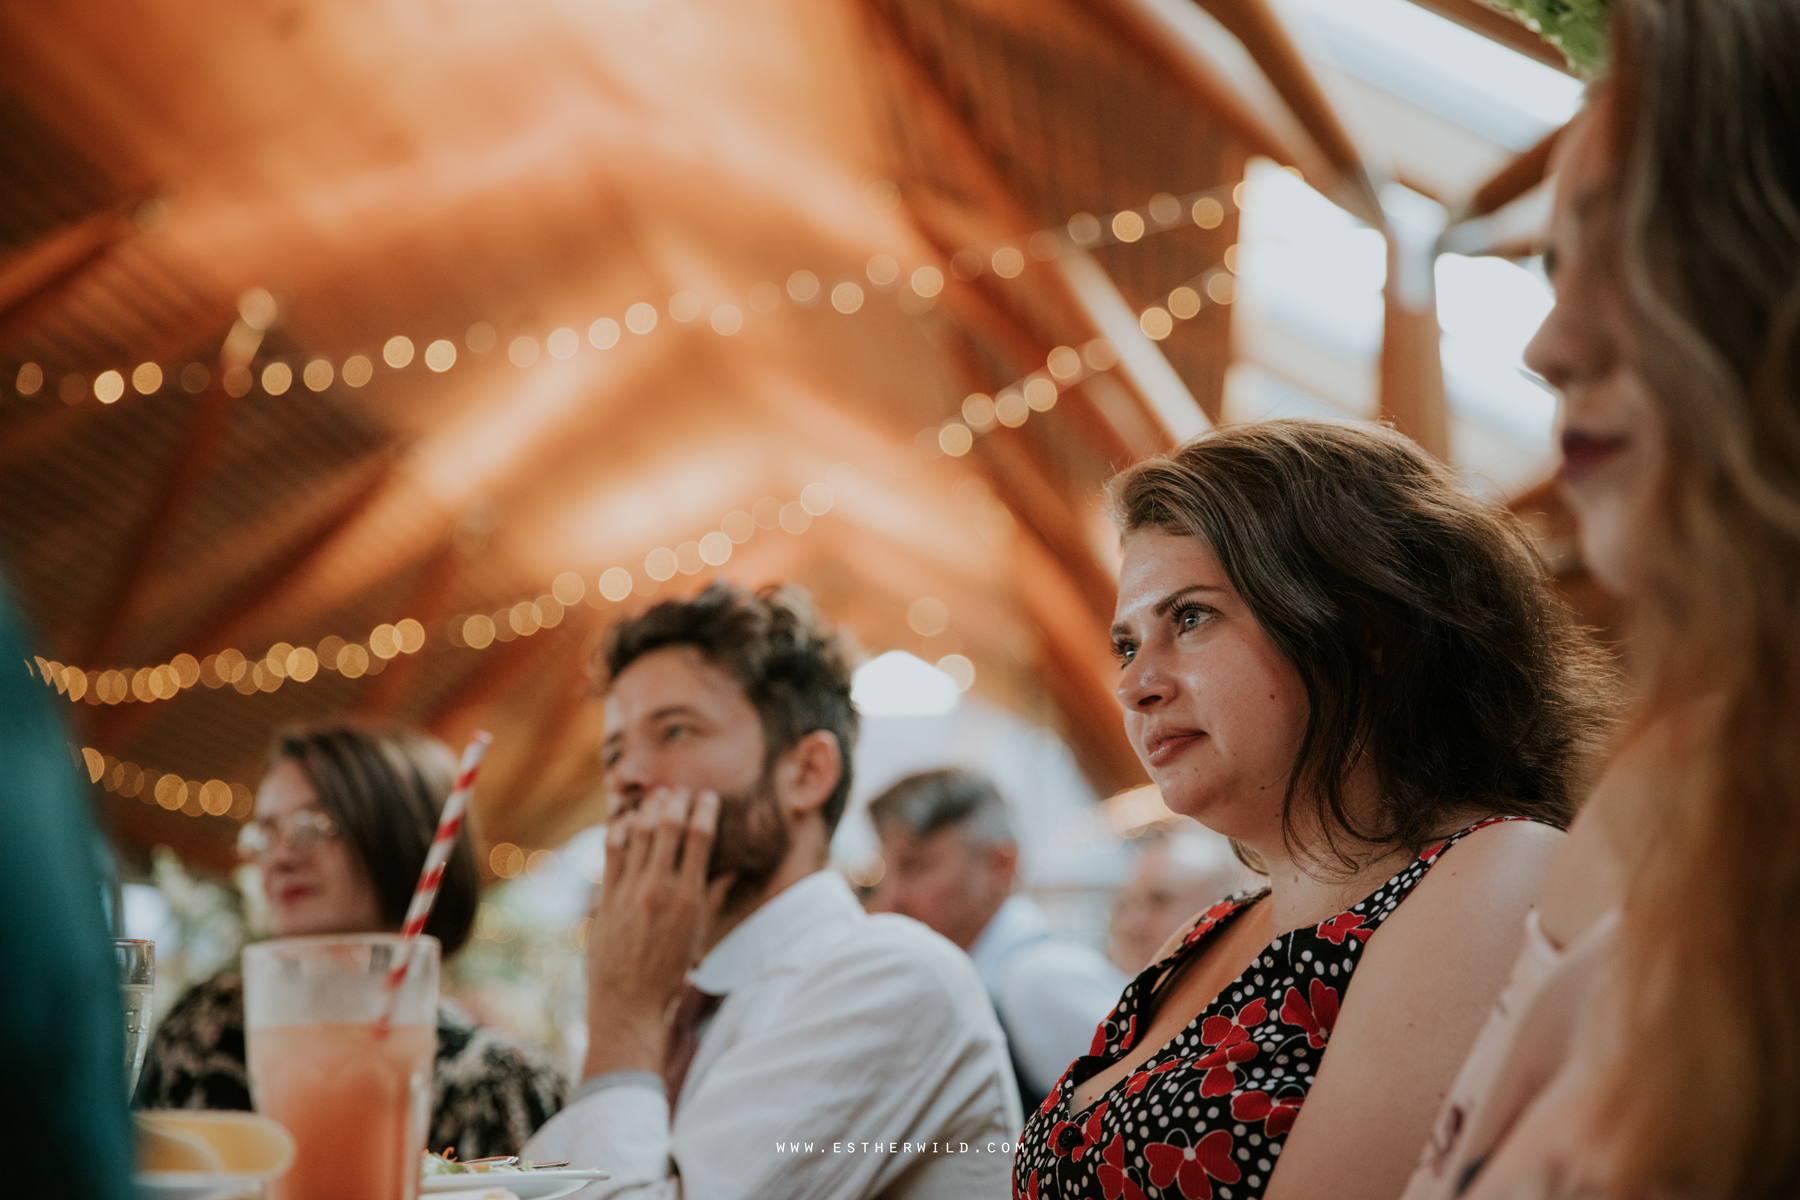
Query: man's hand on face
column 656, row 905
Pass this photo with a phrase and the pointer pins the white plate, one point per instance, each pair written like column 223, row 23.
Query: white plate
column 195, row 1185
column 526, row 1185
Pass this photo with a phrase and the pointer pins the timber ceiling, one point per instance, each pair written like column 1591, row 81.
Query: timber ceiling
column 419, row 166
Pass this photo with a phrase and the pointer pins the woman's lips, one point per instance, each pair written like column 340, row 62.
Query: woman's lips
column 1166, row 746
column 1583, row 452
column 293, row 893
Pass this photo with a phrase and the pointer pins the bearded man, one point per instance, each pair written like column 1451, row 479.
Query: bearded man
column 751, row 1030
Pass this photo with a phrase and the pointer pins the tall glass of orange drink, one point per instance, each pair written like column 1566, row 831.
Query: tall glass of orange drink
column 343, row 1061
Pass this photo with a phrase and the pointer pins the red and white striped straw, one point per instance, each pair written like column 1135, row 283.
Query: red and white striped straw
column 449, row 825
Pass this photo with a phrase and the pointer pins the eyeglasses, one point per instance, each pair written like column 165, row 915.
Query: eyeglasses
column 304, row 832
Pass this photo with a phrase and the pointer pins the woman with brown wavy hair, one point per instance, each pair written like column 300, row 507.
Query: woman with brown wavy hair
column 1332, row 653
column 1650, row 1044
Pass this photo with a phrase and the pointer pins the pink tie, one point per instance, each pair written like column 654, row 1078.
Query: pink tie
column 691, row 1008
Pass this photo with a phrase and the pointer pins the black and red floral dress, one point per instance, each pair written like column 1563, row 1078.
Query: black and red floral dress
column 1207, row 1114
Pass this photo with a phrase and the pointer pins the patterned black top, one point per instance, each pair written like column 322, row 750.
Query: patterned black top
column 490, row 1092
column 1208, row 1113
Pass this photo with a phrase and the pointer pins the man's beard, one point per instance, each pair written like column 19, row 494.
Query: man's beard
column 751, row 843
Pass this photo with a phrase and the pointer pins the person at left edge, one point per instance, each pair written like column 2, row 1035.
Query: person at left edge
column 814, row 1050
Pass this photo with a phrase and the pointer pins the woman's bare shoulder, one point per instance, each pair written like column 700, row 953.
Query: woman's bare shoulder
column 1505, row 861
column 1474, row 897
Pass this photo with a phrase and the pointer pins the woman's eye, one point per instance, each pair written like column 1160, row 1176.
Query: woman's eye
column 1190, row 618
column 1124, row 652
column 674, row 732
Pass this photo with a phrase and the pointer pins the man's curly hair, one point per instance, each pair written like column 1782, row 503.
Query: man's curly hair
column 794, row 668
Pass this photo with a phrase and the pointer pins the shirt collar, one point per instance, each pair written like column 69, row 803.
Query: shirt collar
column 1016, row 922
column 819, row 899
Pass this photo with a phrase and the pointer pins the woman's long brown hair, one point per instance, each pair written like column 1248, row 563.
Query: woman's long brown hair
column 1704, row 108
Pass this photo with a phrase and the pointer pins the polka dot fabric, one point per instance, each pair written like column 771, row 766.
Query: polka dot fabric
column 1207, row 1115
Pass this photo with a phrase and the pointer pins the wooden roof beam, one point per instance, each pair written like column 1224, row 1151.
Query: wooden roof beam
column 1297, row 127
column 1005, row 217
column 205, row 434
column 985, row 309
column 1507, row 30
column 1140, row 361
column 422, row 500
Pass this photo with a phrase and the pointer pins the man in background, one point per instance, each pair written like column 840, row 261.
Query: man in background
column 951, row 862
column 752, row 1032
column 1178, row 874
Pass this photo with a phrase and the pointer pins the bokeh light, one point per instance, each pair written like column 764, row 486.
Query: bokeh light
column 480, row 338
column 727, row 319
column 846, row 297
column 803, row 287
column 615, row 583
column 108, row 386
column 640, row 318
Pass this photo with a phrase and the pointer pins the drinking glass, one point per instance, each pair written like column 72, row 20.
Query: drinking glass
column 344, row 1061
column 137, row 975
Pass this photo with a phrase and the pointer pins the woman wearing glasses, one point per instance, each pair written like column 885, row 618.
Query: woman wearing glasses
column 343, row 819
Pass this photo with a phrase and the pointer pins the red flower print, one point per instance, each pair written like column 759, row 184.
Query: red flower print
column 1208, row 919
column 1141, row 1079
column 1115, row 1184
column 1188, row 1166
column 1231, row 1037
column 1277, row 1115
column 1098, row 1046
column 1088, row 1135
column 1055, row 1096
column 1316, row 1018
column 1345, row 924
column 1029, row 1191
column 1430, row 855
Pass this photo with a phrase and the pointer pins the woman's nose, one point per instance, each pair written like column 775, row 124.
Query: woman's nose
column 1142, row 685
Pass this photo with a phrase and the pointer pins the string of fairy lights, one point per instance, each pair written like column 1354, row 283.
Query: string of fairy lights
column 259, row 311
column 978, row 414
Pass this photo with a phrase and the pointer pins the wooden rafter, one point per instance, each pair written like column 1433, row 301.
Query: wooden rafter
column 1002, row 214
column 205, row 433
column 1490, row 22
column 426, row 605
column 115, row 726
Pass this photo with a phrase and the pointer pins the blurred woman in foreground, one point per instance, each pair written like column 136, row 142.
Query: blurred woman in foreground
column 343, row 820
column 1650, row 1042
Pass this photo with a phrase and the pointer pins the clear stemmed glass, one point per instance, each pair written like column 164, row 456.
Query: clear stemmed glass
column 137, row 975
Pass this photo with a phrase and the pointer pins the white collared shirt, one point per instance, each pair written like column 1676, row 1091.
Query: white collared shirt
column 854, row 1057
column 1051, row 992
